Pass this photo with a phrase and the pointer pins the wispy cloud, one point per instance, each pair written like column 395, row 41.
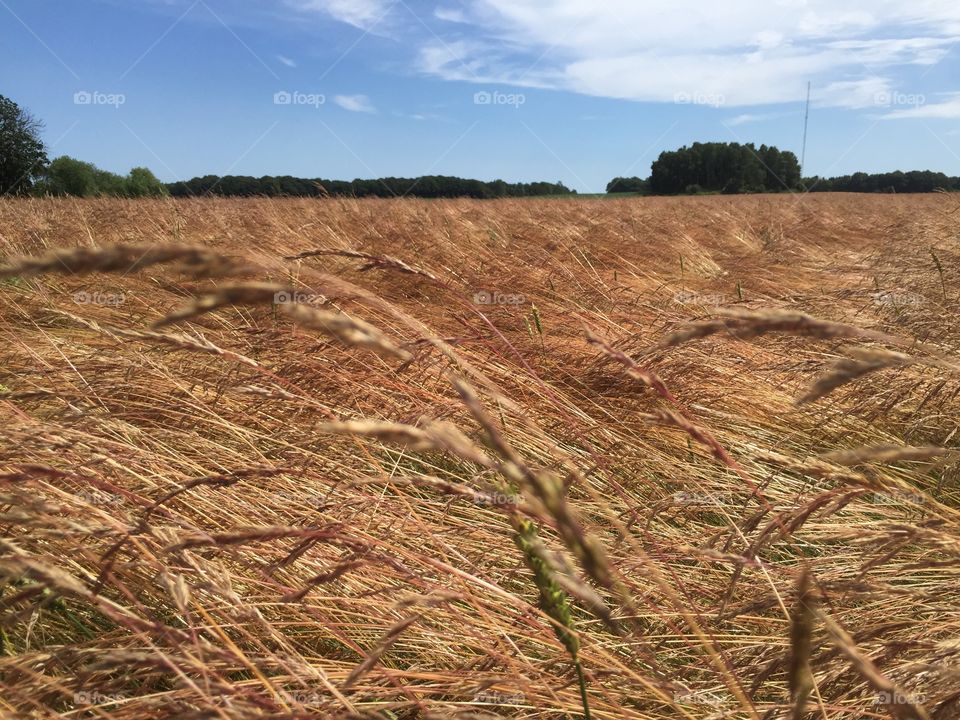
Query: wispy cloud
column 420, row 116
column 946, row 110
column 287, row 61
column 450, row 14
column 855, row 94
column 750, row 53
column 355, row 103
column 359, row 13
column 747, row 118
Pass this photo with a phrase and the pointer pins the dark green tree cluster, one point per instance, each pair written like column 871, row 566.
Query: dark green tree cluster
column 628, row 185
column 726, row 168
column 68, row 176
column 23, row 157
column 915, row 181
column 429, row 186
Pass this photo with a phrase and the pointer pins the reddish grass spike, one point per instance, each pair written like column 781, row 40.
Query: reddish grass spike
column 897, row 701
column 647, row 377
column 801, row 646
column 386, row 642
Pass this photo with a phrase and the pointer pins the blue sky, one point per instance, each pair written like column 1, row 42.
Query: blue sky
column 573, row 90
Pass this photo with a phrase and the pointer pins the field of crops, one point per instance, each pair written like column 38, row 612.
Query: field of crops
column 637, row 458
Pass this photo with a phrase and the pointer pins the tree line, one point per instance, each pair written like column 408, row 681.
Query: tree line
column 736, row 168
column 915, row 181
column 429, row 186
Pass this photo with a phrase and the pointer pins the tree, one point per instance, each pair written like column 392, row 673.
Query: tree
column 23, row 157
column 143, row 183
column 69, row 176
column 627, row 185
column 724, row 167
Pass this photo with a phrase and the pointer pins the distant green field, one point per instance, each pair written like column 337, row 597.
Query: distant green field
column 580, row 196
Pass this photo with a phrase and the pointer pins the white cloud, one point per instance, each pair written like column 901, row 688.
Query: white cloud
column 355, row 103
column 946, row 110
column 752, row 118
column 450, row 15
column 420, row 116
column 286, row 61
column 855, row 94
column 481, row 61
column 359, row 13
column 752, row 52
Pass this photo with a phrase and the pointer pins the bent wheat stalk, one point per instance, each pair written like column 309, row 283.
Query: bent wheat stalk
column 251, row 293
column 886, row 454
column 374, row 262
column 862, row 361
column 123, row 258
column 745, row 325
column 349, row 330
column 172, row 340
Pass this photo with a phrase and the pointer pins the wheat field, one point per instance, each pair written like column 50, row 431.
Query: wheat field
column 634, row 458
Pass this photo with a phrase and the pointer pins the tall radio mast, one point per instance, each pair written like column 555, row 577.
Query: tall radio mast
column 806, row 124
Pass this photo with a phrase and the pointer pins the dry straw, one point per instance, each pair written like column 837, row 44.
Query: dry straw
column 244, row 520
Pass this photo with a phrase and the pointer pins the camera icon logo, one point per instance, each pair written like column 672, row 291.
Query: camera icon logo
column 282, row 98
column 82, row 98
column 482, row 98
